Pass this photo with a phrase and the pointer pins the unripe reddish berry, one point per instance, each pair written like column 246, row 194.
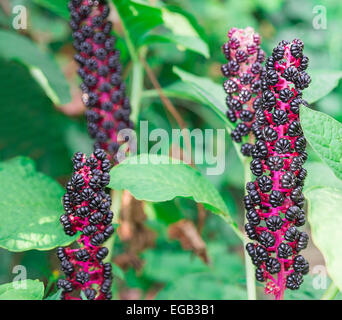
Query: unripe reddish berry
column 243, row 84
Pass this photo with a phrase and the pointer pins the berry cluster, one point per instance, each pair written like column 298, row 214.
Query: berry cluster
column 243, row 86
column 100, row 70
column 275, row 201
column 87, row 210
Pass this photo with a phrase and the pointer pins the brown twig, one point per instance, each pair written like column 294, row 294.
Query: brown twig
column 6, row 6
column 201, row 216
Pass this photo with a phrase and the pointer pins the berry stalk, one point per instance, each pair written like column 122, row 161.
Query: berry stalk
column 275, row 201
column 100, row 70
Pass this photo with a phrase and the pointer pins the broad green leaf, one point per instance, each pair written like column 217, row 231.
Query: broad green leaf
column 183, row 42
column 325, row 137
column 43, row 67
column 178, row 89
column 325, row 220
column 184, row 31
column 323, row 81
column 155, row 178
column 139, row 19
column 30, row 207
column 22, row 290
column 223, row 278
column 320, row 175
column 60, row 7
column 210, row 91
column 55, row 296
column 167, row 266
column 161, row 212
column 30, row 126
column 201, row 286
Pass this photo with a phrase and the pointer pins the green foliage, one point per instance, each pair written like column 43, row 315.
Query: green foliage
column 60, row 7
column 325, row 137
column 30, row 208
column 211, row 93
column 55, row 296
column 31, row 290
column 161, row 180
column 187, row 277
column 201, row 286
column 30, row 126
column 325, row 221
column 42, row 66
column 320, row 175
column 139, row 19
column 323, row 82
column 173, row 36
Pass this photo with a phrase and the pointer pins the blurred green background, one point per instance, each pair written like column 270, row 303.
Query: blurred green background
column 34, row 124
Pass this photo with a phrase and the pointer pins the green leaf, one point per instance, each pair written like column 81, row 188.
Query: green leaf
column 43, row 67
column 139, row 19
column 167, row 266
column 184, row 31
column 118, row 272
column 325, row 220
column 30, row 207
column 201, row 286
column 31, row 290
column 183, row 42
column 56, row 296
column 210, row 92
column 320, row 175
column 178, row 89
column 325, row 137
column 155, row 178
column 30, row 125
column 323, row 82
column 60, row 7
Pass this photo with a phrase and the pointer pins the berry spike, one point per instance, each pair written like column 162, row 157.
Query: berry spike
column 275, row 200
column 100, row 70
column 87, row 210
column 243, row 86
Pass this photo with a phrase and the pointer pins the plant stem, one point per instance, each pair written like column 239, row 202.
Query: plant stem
column 331, row 292
column 250, row 270
column 116, row 196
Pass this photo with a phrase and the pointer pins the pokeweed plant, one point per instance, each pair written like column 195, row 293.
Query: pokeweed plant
column 30, row 201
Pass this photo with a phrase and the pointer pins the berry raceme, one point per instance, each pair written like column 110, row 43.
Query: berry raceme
column 87, row 210
column 100, row 70
column 243, row 86
column 275, row 201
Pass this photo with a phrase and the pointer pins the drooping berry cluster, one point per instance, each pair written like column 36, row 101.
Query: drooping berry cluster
column 243, row 86
column 100, row 70
column 275, row 201
column 87, row 210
